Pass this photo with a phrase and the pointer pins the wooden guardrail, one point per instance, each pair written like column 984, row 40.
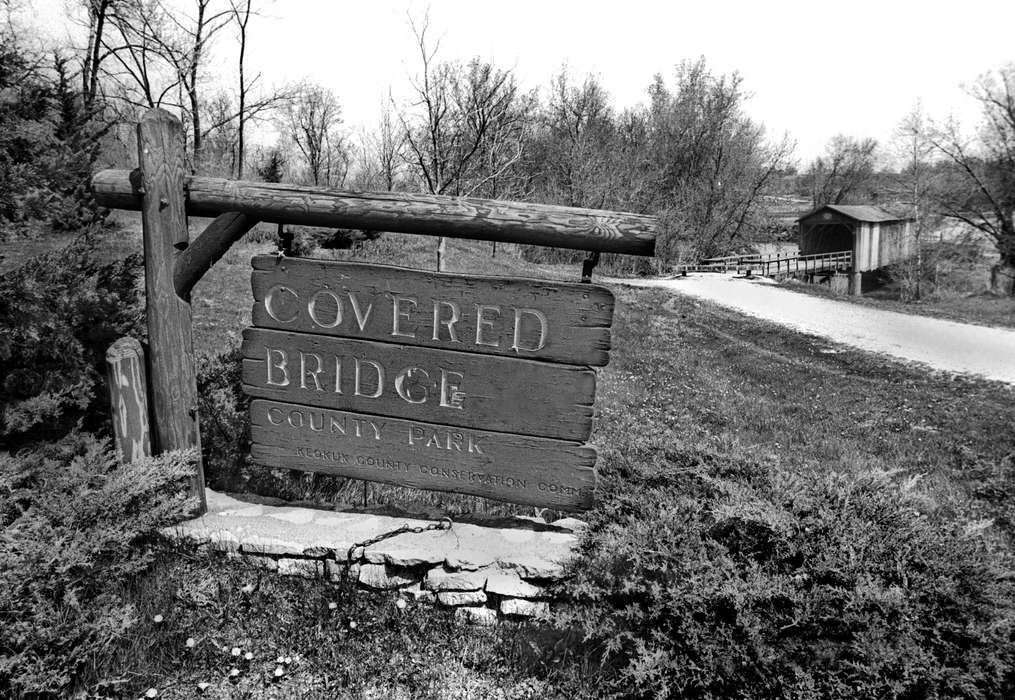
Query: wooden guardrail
column 793, row 264
column 773, row 266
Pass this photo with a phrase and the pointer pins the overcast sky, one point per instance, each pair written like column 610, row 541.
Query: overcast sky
column 814, row 69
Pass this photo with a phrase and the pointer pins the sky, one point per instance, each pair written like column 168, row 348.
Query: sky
column 813, row 69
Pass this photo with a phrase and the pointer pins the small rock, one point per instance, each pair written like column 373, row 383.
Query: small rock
column 261, row 562
column 419, row 595
column 249, row 656
column 191, row 642
column 535, row 568
column 384, row 577
column 401, row 604
column 476, row 615
column 510, row 585
column 472, row 561
column 455, row 598
column 305, row 568
column 440, row 579
column 524, row 608
column 151, row 693
column 572, row 524
column 236, row 651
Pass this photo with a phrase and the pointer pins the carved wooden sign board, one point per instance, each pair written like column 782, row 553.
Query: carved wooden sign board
column 478, row 385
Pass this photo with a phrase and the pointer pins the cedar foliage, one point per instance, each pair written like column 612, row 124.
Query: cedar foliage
column 61, row 312
column 702, row 578
column 74, row 527
column 48, row 145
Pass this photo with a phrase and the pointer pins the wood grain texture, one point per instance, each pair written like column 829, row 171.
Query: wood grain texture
column 207, row 248
column 128, row 397
column 171, row 349
column 516, row 468
column 496, row 393
column 434, row 215
column 532, row 319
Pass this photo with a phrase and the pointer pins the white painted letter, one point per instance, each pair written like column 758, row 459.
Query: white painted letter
column 312, row 309
column 356, row 378
column 451, row 396
column 450, row 323
column 313, row 373
column 543, row 327
column 484, row 323
column 272, row 420
column 361, row 316
column 397, row 313
column 280, row 365
column 269, row 306
column 403, row 390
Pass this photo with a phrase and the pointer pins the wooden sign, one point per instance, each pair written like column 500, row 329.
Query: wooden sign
column 503, row 466
column 470, row 384
column 454, row 388
column 568, row 323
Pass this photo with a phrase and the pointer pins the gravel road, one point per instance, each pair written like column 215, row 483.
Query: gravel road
column 944, row 345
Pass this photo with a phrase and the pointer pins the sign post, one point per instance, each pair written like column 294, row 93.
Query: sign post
column 472, row 384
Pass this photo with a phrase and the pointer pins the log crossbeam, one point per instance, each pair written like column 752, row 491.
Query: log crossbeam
column 432, row 215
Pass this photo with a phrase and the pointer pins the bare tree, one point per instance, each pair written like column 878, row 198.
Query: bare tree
column 981, row 191
column 706, row 163
column 241, row 14
column 157, row 52
column 96, row 12
column 312, row 122
column 845, row 173
column 575, row 144
column 381, row 160
column 913, row 184
column 463, row 127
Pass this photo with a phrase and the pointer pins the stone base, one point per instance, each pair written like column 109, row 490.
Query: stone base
column 461, row 565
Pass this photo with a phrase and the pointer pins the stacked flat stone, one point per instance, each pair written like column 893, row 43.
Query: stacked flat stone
column 482, row 572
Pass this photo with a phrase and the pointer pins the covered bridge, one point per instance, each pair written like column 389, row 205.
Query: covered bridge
column 875, row 237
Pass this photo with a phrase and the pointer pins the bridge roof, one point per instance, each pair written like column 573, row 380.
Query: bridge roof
column 858, row 212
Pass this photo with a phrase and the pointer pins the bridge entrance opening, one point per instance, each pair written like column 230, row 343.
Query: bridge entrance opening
column 827, row 238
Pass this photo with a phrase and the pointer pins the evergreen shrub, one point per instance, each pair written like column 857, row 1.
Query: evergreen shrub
column 74, row 527
column 61, row 312
column 703, row 579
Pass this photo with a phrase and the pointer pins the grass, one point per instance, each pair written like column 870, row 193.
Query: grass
column 332, row 644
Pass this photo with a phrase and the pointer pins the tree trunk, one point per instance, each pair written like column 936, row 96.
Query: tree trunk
column 1002, row 278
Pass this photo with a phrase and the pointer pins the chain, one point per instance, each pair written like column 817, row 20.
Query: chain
column 444, row 523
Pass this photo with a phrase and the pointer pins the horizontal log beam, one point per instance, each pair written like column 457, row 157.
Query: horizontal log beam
column 433, row 215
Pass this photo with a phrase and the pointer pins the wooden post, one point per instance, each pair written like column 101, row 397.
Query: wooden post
column 855, row 279
column 128, row 395
column 171, row 346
